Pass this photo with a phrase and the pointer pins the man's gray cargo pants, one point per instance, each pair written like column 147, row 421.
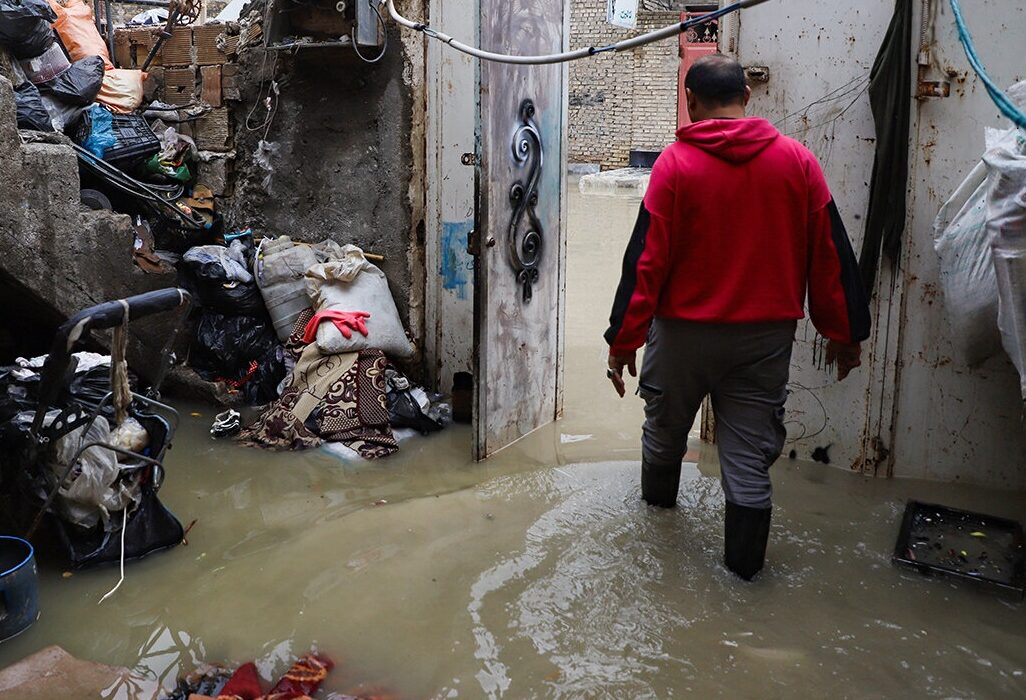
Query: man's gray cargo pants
column 744, row 367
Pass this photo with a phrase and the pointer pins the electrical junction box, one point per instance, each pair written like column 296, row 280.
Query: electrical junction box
column 303, row 24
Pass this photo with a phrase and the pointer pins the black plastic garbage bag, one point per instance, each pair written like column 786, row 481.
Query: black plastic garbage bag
column 151, row 528
column 226, row 345
column 403, row 409
column 79, row 84
column 262, row 385
column 25, row 27
column 30, row 110
column 35, row 42
column 219, row 293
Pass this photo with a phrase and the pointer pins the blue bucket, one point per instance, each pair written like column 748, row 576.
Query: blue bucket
column 19, row 586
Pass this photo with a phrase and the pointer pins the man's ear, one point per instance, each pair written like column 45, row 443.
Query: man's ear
column 692, row 101
column 748, row 94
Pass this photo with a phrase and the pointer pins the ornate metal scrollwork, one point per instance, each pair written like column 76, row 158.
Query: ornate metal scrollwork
column 525, row 249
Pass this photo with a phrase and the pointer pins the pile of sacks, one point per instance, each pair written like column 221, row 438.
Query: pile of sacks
column 314, row 331
column 63, row 65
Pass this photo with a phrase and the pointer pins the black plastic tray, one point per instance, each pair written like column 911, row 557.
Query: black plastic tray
column 983, row 549
column 135, row 140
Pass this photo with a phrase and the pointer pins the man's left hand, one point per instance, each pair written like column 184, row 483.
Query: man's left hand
column 616, row 365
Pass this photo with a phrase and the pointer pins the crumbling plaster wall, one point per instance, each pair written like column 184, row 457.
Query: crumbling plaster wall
column 65, row 258
column 347, row 160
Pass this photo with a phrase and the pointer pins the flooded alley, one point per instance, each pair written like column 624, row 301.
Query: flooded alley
column 539, row 573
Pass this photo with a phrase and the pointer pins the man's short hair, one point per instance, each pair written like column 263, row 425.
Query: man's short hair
column 717, row 80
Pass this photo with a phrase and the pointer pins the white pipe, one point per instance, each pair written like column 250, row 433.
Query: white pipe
column 625, row 45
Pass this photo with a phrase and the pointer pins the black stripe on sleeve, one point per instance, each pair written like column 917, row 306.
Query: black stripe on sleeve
column 629, row 275
column 851, row 279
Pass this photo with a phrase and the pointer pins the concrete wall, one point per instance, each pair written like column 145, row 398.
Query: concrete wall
column 626, row 101
column 339, row 156
column 53, row 254
column 345, row 159
column 914, row 409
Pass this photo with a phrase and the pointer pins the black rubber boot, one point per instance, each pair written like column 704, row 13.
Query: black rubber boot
column 659, row 484
column 745, row 535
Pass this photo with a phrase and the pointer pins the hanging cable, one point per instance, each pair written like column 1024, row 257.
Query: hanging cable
column 384, row 33
column 625, row 45
column 1003, row 102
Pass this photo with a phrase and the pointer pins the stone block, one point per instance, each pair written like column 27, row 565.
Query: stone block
column 213, row 131
column 214, row 170
column 230, row 88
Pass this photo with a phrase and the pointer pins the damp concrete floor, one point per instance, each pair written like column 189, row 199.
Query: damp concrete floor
column 539, row 574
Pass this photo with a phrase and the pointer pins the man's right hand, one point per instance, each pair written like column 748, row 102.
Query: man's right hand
column 846, row 356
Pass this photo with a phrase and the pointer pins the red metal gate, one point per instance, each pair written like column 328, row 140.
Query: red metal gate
column 694, row 44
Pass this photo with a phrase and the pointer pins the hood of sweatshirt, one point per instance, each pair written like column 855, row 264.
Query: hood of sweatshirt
column 733, row 140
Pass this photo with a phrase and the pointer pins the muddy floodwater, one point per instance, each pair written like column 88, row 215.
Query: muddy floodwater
column 539, row 574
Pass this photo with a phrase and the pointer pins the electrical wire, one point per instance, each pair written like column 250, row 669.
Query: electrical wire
column 124, row 527
column 384, row 33
column 1003, row 102
column 544, row 59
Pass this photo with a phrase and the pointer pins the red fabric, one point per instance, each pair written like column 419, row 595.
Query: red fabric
column 303, row 679
column 243, row 685
column 343, row 320
column 739, row 231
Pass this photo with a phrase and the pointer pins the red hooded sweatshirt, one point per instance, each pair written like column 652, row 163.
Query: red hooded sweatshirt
column 737, row 225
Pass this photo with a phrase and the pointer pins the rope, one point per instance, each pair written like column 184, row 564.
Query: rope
column 119, row 370
column 1003, row 102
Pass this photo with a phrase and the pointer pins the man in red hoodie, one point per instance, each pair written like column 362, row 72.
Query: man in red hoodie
column 737, row 226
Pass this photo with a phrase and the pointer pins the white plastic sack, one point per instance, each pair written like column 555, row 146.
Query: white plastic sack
column 89, row 497
column 280, row 274
column 1006, row 224
column 280, row 267
column 353, row 284
column 967, row 273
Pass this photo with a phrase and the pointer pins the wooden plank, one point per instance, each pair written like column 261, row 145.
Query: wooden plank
column 210, row 90
column 518, row 342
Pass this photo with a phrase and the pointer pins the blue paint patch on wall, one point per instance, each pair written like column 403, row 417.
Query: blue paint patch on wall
column 457, row 265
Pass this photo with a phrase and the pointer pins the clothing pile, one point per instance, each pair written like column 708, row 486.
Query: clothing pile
column 215, row 682
column 301, row 681
column 312, row 330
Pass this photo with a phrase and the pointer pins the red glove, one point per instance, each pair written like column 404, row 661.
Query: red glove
column 343, row 320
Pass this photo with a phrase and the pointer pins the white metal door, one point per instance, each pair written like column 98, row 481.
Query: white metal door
column 521, row 227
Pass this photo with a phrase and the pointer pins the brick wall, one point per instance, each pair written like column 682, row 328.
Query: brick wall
column 196, row 71
column 625, row 101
